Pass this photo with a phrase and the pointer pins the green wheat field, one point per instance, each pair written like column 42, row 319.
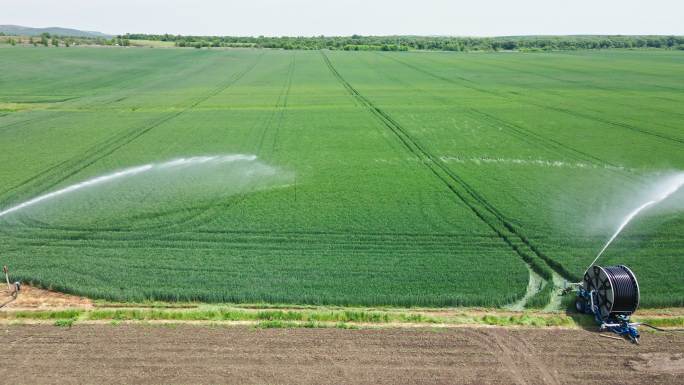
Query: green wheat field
column 363, row 178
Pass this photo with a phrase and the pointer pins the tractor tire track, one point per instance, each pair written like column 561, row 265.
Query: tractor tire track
column 283, row 108
column 516, row 129
column 570, row 81
column 196, row 214
column 207, row 211
column 470, row 85
column 485, row 211
column 115, row 98
column 397, row 243
column 543, row 141
column 515, row 354
column 134, row 76
column 33, row 227
column 611, row 122
column 76, row 164
column 395, row 127
column 505, row 356
column 436, row 240
column 529, row 136
column 534, row 139
column 19, row 123
column 604, row 67
column 277, row 115
column 34, row 177
column 525, row 349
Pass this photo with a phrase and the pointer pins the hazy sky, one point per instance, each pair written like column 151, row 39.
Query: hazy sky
column 346, row 17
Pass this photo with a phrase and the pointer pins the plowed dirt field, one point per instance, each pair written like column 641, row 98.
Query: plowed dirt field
column 186, row 354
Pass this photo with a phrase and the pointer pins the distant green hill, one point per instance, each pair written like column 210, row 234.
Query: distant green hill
column 29, row 31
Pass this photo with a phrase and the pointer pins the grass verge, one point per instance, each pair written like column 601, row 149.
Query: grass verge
column 274, row 318
column 231, row 314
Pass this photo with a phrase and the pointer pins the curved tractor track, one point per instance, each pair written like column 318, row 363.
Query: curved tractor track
column 483, row 209
column 46, row 179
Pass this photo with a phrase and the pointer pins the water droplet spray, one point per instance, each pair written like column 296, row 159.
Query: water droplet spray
column 663, row 191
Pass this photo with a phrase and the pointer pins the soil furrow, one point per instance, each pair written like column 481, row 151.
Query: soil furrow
column 182, row 354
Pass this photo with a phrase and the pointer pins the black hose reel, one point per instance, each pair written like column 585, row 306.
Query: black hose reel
column 616, row 290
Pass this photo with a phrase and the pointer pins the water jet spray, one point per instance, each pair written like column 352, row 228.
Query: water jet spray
column 176, row 163
column 670, row 186
column 611, row 294
column 208, row 177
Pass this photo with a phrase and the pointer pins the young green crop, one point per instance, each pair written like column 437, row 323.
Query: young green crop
column 419, row 179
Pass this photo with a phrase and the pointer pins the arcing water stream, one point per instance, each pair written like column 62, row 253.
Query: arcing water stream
column 663, row 191
column 176, row 163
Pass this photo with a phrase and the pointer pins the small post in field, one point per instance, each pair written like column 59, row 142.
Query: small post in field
column 4, row 270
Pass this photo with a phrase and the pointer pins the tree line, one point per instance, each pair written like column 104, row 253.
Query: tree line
column 440, row 43
column 46, row 39
column 376, row 43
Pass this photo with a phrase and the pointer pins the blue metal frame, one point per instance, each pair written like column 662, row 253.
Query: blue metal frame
column 618, row 323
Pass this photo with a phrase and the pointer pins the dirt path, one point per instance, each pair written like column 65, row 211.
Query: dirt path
column 199, row 354
column 533, row 287
column 38, row 299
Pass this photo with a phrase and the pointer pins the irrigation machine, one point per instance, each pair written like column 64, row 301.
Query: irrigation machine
column 611, row 295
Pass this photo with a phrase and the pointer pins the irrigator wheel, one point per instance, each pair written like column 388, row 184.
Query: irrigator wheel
column 596, row 279
column 580, row 305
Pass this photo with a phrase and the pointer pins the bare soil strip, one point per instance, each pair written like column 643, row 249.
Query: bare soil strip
column 32, row 298
column 144, row 354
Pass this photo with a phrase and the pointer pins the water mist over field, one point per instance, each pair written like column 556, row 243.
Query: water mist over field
column 662, row 195
column 152, row 188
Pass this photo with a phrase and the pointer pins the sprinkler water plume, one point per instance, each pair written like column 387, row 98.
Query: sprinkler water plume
column 611, row 293
column 669, row 187
column 176, row 164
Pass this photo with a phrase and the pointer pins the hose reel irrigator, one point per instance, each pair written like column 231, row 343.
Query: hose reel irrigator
column 611, row 294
